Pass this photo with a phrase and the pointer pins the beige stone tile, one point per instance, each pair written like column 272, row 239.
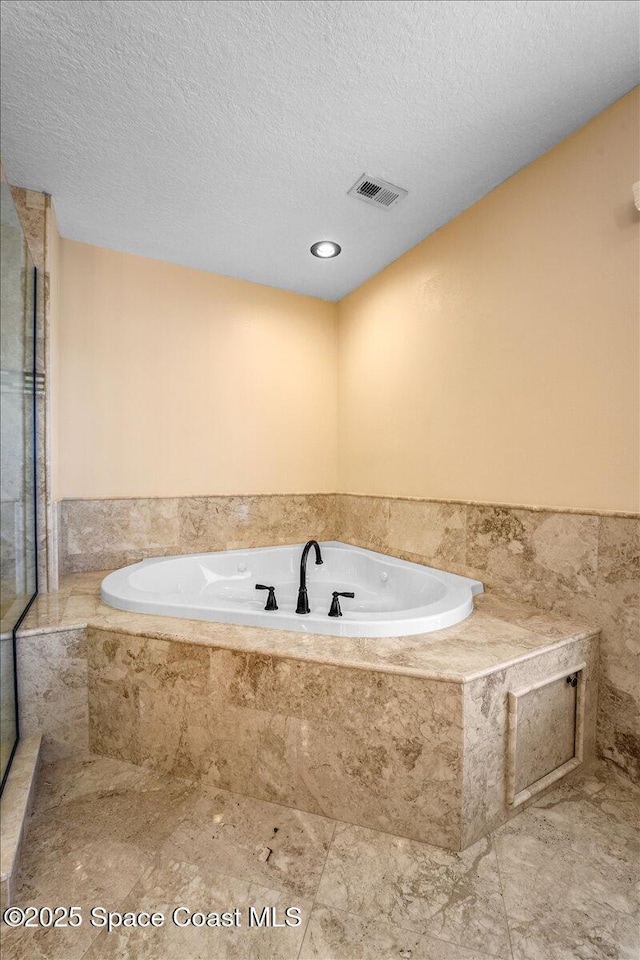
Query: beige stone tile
column 569, row 869
column 364, row 521
column 158, row 686
column 15, row 809
column 311, row 691
column 616, row 609
column 433, row 532
column 296, row 519
column 223, row 523
column 84, row 584
column 173, row 730
column 406, row 780
column 255, row 753
column 170, row 883
column 162, row 665
column 611, row 794
column 546, row 720
column 619, row 550
column 234, row 833
column 89, row 777
column 380, row 749
column 449, row 896
column 69, row 864
column 80, row 608
column 619, row 722
column 47, row 611
column 485, row 804
column 18, row 795
column 101, row 534
column 565, row 555
column 480, row 643
column 343, row 936
column 111, row 799
column 274, row 772
column 114, row 719
column 228, row 523
column 618, row 603
column 533, row 555
column 551, row 626
column 195, row 733
column 142, row 811
column 246, row 735
column 141, row 691
column 45, row 943
column 114, row 657
column 52, row 673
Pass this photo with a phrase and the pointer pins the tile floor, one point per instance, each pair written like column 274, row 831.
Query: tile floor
column 556, row 882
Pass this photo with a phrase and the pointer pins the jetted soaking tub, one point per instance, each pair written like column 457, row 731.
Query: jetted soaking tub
column 436, row 738
column 392, row 597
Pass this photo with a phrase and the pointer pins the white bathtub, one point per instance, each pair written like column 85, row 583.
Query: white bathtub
column 392, row 597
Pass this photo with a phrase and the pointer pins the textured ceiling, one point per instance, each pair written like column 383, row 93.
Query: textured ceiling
column 225, row 135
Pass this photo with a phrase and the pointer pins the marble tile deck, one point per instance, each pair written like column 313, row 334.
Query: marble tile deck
column 555, row 883
column 499, row 633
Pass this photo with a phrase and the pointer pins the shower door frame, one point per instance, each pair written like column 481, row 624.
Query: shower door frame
column 34, row 447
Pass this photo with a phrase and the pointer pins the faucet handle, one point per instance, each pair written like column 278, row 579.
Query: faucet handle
column 271, row 599
column 335, row 610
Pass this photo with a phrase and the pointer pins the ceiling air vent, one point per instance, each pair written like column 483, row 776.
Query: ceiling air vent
column 377, row 192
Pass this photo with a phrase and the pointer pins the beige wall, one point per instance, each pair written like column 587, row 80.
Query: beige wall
column 176, row 382
column 498, row 359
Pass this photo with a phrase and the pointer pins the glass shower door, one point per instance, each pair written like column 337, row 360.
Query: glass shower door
column 18, row 567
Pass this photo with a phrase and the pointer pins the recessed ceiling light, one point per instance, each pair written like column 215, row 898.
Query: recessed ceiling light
column 325, row 249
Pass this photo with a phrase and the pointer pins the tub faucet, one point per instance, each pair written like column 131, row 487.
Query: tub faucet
column 303, row 599
column 271, row 599
column 335, row 610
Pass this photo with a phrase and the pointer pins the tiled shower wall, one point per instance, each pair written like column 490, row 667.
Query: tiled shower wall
column 580, row 564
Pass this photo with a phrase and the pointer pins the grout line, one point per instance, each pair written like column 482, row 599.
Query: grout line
column 500, row 505
column 123, row 901
column 315, row 896
column 385, row 921
column 504, row 905
column 496, row 504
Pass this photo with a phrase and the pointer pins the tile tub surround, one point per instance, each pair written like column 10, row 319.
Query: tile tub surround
column 579, row 564
column 326, row 724
column 380, row 749
column 52, row 671
column 582, row 565
column 409, row 755
column 107, row 534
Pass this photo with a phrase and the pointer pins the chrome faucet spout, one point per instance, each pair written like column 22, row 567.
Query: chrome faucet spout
column 303, row 597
